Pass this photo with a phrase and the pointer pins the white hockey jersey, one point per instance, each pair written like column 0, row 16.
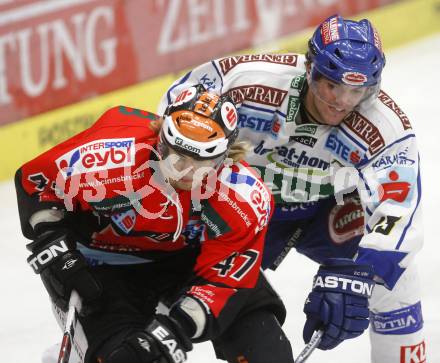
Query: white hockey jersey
column 373, row 149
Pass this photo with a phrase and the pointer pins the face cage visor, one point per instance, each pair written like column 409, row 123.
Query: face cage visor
column 339, row 95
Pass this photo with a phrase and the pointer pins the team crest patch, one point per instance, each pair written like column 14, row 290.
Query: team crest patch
column 346, row 221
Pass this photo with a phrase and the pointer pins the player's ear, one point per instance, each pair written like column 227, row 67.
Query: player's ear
column 308, row 72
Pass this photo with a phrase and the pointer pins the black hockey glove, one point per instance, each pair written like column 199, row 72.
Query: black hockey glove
column 63, row 268
column 162, row 341
column 169, row 338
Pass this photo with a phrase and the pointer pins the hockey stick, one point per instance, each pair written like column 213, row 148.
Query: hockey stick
column 310, row 347
column 69, row 328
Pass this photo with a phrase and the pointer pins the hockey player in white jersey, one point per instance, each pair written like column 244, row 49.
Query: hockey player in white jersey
column 341, row 159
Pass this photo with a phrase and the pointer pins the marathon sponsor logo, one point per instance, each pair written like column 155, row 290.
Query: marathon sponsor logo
column 388, row 101
column 342, row 148
column 291, row 158
column 365, row 130
column 329, row 31
column 97, row 155
column 306, row 129
column 258, row 93
column 407, row 320
column 387, row 161
column 346, row 221
column 226, row 64
column 305, row 140
column 292, row 108
column 413, row 353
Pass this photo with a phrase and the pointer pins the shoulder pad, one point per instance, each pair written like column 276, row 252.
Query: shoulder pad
column 123, row 115
column 255, row 62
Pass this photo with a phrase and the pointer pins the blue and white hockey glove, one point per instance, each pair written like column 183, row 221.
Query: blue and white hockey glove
column 338, row 303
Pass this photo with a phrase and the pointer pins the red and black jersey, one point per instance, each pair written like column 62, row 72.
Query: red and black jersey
column 106, row 183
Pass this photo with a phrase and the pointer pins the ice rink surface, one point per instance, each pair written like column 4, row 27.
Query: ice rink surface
column 412, row 78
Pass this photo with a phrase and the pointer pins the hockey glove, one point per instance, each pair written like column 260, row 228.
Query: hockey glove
column 338, row 303
column 63, row 268
column 163, row 341
column 170, row 339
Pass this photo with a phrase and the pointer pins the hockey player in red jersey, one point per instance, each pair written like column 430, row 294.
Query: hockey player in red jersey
column 128, row 218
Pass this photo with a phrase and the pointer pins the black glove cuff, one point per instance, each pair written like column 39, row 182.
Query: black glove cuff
column 166, row 328
column 48, row 250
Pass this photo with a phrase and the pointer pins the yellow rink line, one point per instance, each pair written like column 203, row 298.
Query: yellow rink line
column 398, row 24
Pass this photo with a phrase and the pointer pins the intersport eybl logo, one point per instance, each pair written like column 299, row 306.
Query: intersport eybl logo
column 97, row 155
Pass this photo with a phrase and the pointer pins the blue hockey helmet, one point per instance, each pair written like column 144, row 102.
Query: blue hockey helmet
column 347, row 52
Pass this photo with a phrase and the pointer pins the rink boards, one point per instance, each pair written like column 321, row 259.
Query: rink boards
column 398, row 24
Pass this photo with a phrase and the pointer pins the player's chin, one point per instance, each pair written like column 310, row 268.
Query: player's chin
column 334, row 117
